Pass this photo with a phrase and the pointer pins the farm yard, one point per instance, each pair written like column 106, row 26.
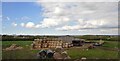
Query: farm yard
column 63, row 29
column 108, row 50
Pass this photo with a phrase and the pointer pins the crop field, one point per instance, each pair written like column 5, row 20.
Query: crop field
column 108, row 50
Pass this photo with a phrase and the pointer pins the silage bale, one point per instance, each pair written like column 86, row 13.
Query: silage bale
column 41, row 54
column 50, row 53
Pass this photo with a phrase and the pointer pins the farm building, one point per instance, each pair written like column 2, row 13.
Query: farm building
column 78, row 42
column 66, row 38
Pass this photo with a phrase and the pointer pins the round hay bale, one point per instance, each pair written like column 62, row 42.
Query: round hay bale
column 27, row 45
column 13, row 46
column 83, row 58
column 18, row 48
column 7, row 49
column 59, row 49
column 65, row 55
column 57, row 56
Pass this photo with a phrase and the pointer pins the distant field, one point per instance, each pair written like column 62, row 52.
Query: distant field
column 20, row 43
column 93, row 53
column 108, row 44
column 26, row 53
column 107, row 50
column 111, row 44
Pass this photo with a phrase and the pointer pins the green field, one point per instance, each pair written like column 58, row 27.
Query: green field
column 20, row 43
column 108, row 50
column 93, row 53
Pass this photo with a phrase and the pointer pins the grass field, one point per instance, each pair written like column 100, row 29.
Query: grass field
column 111, row 44
column 27, row 53
column 93, row 53
column 20, row 43
column 108, row 44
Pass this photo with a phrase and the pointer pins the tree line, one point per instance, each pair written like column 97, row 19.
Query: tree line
column 32, row 37
column 100, row 37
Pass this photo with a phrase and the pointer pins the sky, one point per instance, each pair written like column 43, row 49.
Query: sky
column 61, row 0
column 59, row 18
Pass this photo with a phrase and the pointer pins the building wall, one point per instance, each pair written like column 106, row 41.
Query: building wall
column 67, row 38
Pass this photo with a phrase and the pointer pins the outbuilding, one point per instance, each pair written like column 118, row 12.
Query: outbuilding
column 78, row 42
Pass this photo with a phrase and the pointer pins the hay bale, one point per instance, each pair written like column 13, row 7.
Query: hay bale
column 27, row 45
column 59, row 49
column 45, row 45
column 14, row 47
column 60, row 53
column 18, row 48
column 65, row 45
column 57, row 55
column 83, row 58
column 8, row 49
column 65, row 55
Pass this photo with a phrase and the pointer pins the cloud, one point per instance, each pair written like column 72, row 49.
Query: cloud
column 51, row 22
column 78, row 0
column 48, row 22
column 87, row 12
column 57, row 10
column 5, row 18
column 91, row 24
column 78, row 16
column 37, row 26
column 60, row 0
column 14, row 24
column 0, row 17
column 30, row 25
column 68, row 28
column 22, row 24
column 25, row 18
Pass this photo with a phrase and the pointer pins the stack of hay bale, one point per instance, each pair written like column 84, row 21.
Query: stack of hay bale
column 49, row 43
column 53, row 43
column 37, row 44
column 65, row 45
column 44, row 43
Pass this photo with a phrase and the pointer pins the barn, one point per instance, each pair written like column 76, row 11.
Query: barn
column 78, row 42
